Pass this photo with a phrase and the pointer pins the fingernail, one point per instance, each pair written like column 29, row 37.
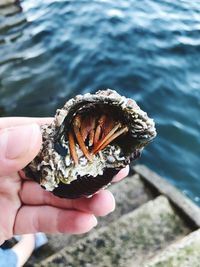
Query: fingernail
column 95, row 221
column 113, row 203
column 17, row 141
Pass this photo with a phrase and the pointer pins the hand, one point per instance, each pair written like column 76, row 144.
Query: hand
column 24, row 206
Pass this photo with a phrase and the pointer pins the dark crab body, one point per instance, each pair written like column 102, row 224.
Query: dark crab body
column 92, row 137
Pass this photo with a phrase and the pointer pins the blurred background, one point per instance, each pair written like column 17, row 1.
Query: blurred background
column 147, row 50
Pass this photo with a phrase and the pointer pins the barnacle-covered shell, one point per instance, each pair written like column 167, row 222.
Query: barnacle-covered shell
column 91, row 138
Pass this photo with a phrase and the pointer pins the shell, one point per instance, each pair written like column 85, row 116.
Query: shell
column 71, row 170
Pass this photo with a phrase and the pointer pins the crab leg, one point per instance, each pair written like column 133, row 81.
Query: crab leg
column 72, row 147
column 108, row 126
column 77, row 126
column 99, row 128
column 97, row 134
column 114, row 129
column 87, row 129
column 84, row 128
column 91, row 133
column 108, row 141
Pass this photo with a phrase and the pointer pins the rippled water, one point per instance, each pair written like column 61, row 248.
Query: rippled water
column 147, row 50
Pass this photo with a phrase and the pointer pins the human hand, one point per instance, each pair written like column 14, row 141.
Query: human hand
column 27, row 208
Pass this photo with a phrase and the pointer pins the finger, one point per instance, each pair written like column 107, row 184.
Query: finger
column 121, row 174
column 18, row 121
column 36, row 219
column 100, row 204
column 18, row 146
column 8, row 210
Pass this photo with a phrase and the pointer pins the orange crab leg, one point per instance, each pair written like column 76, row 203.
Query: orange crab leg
column 114, row 136
column 87, row 128
column 91, row 134
column 108, row 125
column 84, row 130
column 97, row 134
column 114, row 129
column 72, row 147
column 77, row 124
column 98, row 131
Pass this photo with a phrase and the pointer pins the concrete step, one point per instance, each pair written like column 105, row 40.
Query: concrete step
column 137, row 235
column 159, row 184
column 185, row 253
column 129, row 194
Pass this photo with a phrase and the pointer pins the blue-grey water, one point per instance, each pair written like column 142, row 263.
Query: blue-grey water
column 148, row 50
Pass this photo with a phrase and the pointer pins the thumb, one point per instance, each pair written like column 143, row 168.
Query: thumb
column 18, row 146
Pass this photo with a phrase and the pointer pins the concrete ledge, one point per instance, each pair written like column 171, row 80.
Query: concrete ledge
column 185, row 253
column 137, row 235
column 190, row 210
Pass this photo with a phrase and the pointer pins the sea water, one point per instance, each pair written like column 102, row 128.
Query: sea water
column 147, row 50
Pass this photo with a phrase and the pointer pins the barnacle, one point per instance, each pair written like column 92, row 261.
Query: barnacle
column 91, row 138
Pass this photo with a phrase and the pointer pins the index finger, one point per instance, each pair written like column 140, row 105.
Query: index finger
column 7, row 122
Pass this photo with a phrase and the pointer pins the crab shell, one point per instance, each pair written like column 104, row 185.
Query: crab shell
column 54, row 167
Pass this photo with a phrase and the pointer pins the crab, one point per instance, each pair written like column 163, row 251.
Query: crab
column 99, row 134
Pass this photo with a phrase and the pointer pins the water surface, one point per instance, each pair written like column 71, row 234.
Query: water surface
column 148, row 50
